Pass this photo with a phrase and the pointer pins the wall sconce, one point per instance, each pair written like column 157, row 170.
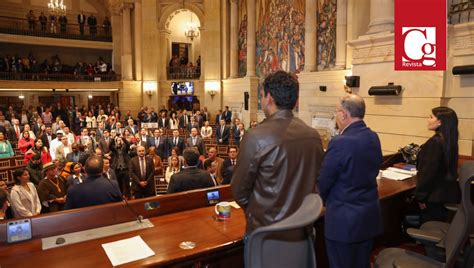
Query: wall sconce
column 90, row 96
column 463, row 69
column 387, row 90
column 212, row 87
column 149, row 87
column 21, row 97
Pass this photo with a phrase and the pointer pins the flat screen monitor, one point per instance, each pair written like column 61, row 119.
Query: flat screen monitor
column 182, row 88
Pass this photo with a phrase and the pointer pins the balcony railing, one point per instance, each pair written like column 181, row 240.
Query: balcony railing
column 59, row 77
column 18, row 26
column 183, row 72
column 460, row 11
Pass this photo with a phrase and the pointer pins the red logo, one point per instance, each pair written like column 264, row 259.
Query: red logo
column 420, row 39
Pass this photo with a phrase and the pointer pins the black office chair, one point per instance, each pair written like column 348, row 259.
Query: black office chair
column 431, row 234
column 288, row 243
column 454, row 242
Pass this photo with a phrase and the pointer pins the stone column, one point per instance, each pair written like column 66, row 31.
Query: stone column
column 164, row 51
column 381, row 16
column 310, row 47
column 234, row 39
column 127, row 73
column 341, row 34
column 251, row 42
column 138, row 39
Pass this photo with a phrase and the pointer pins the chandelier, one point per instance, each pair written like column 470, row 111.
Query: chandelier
column 57, row 7
column 192, row 31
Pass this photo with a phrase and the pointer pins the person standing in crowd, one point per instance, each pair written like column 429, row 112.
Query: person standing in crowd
column 95, row 190
column 348, row 187
column 31, row 20
column 437, row 184
column 52, row 22
column 176, row 141
column 35, row 168
column 195, row 141
column 212, row 154
column 106, row 26
column 43, row 21
column 63, row 24
column 108, row 172
column 38, row 149
column 222, row 133
column 25, row 143
column 211, row 167
column 23, row 197
column 206, row 131
column 228, row 165
column 120, row 163
column 81, row 20
column 160, row 143
column 141, row 173
column 191, row 177
column 52, row 189
column 6, row 149
column 173, row 168
column 227, row 115
column 158, row 164
column 76, row 176
column 92, row 23
column 279, row 161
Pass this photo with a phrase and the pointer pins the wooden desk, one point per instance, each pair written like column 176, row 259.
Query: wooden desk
column 217, row 241
column 199, row 225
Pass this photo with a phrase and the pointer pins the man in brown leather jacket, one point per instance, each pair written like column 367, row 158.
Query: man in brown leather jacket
column 279, row 160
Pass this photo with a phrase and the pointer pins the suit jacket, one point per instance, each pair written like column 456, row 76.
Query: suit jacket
column 227, row 115
column 182, row 121
column 218, row 118
column 171, row 144
column 161, row 148
column 133, row 130
column 137, row 177
column 70, row 157
column 348, row 186
column 226, row 171
column 224, row 135
column 93, row 191
column 81, row 19
column 434, row 183
column 199, row 144
column 191, row 126
column 190, row 179
column 45, row 140
column 111, row 176
column 161, row 124
column 104, row 146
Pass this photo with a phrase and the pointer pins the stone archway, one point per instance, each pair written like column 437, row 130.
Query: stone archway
column 167, row 11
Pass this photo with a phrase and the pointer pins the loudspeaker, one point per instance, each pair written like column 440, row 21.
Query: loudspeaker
column 463, row 69
column 352, row 81
column 322, row 88
column 389, row 89
column 246, row 100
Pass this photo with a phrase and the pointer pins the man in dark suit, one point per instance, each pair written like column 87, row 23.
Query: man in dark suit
column 163, row 121
column 222, row 133
column 192, row 124
column 36, row 127
column 195, row 141
column 120, row 164
column 81, row 20
column 184, row 119
column 191, row 177
column 95, row 190
column 219, row 117
column 105, row 142
column 47, row 137
column 92, row 22
column 227, row 115
column 175, row 141
column 132, row 128
column 141, row 172
column 160, row 143
column 76, row 155
column 108, row 172
column 228, row 165
column 348, row 186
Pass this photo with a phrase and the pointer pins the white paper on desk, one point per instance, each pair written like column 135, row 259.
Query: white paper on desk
column 234, row 204
column 403, row 171
column 390, row 174
column 127, row 250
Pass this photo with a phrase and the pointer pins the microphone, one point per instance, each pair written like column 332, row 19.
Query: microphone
column 139, row 217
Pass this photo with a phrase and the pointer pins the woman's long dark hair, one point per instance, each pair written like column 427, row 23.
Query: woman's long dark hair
column 448, row 131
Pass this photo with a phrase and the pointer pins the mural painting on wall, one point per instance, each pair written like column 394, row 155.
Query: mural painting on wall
column 326, row 17
column 280, row 36
column 242, row 37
